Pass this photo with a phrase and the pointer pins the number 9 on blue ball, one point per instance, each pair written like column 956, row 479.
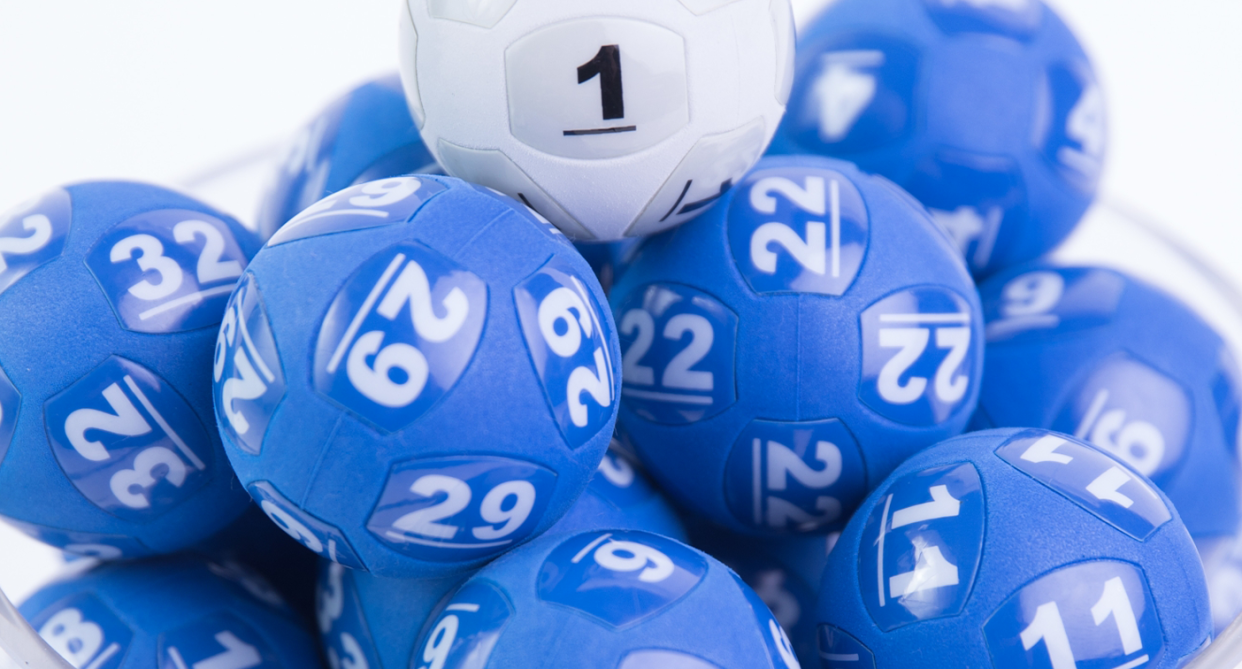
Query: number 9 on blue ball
column 421, row 376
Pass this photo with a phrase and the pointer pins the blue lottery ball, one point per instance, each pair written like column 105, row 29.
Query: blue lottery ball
column 784, row 571
column 416, row 375
column 1118, row 363
column 1013, row 548
column 366, row 135
column 789, row 348
column 375, row 622
column 609, row 260
column 623, row 599
column 110, row 297
column 167, row 613
column 988, row 112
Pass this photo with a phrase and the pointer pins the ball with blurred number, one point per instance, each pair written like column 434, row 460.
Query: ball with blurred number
column 787, row 350
column 987, row 111
column 168, row 613
column 415, row 375
column 369, row 621
column 1222, row 565
column 110, row 296
column 376, row 622
column 367, row 134
column 784, row 572
column 1014, row 548
column 1122, row 365
column 611, row 119
column 620, row 598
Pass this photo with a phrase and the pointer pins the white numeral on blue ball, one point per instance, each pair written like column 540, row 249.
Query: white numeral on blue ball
column 629, row 556
column 519, row 495
column 567, row 307
column 40, row 228
column 130, row 486
column 949, row 385
column 679, row 372
column 72, row 636
column 812, row 254
column 441, row 642
column 374, row 380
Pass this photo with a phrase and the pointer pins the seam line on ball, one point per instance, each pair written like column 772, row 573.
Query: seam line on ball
column 319, row 458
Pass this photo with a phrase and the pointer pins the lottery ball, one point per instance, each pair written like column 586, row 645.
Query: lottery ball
column 366, row 135
column 110, row 296
column 416, row 375
column 369, row 621
column 784, row 352
column 583, row 110
column 784, row 572
column 623, row 599
column 1122, row 365
column 1013, row 548
column 168, row 613
column 376, row 622
column 987, row 112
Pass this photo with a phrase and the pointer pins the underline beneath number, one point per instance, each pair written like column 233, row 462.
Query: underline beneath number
column 601, row 131
column 666, row 397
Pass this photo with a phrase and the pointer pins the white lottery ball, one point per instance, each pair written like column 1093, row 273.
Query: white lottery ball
column 611, row 119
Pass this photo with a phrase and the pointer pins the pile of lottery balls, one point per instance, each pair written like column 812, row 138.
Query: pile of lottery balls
column 627, row 335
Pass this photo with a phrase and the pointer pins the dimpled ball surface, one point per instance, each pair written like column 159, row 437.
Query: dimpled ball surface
column 416, row 375
column 611, row 119
column 367, row 134
column 1125, row 366
column 787, row 350
column 989, row 112
column 1013, row 548
column 377, row 621
column 785, row 572
column 610, row 599
column 166, row 614
column 110, row 297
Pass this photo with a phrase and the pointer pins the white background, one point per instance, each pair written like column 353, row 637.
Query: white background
column 160, row 91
